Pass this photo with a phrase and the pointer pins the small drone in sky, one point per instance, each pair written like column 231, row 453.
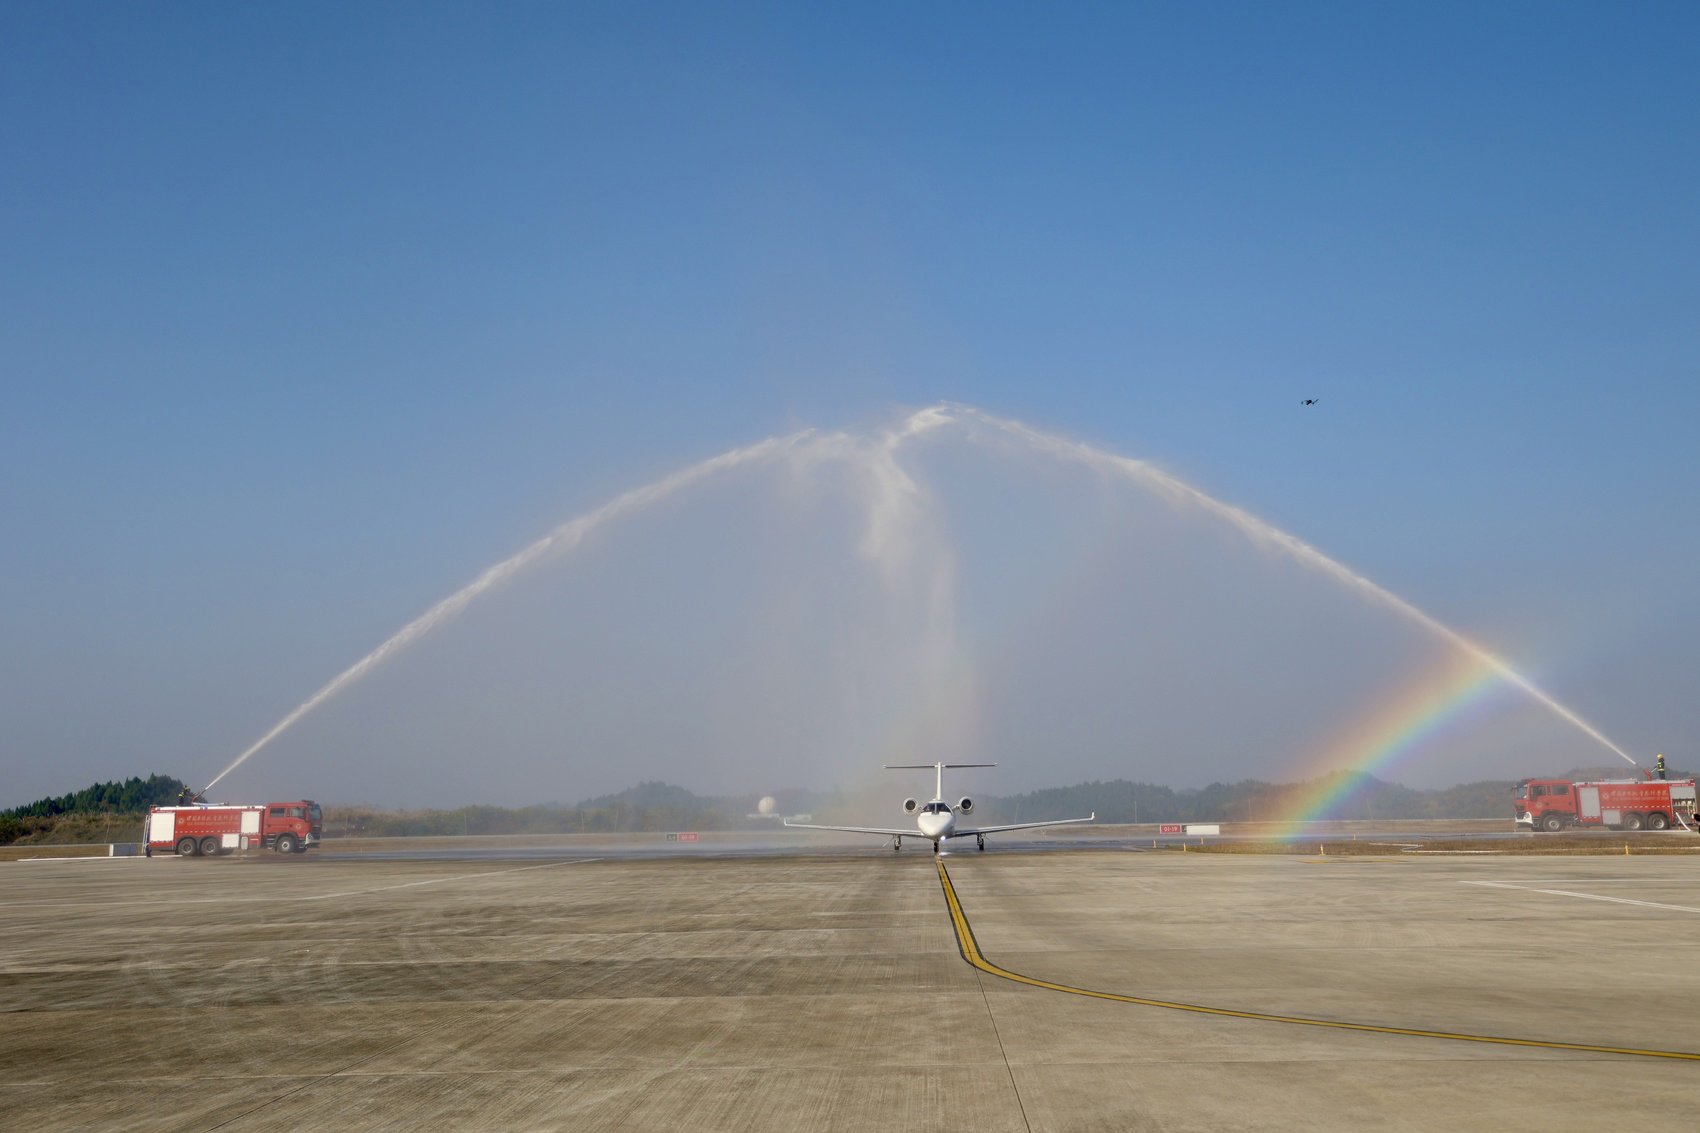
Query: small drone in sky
column 1311, row 400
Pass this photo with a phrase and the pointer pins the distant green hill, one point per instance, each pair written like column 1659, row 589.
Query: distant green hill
column 1354, row 795
column 657, row 806
column 104, row 812
column 132, row 796
column 112, row 811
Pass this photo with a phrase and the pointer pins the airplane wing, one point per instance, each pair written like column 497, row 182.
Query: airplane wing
column 909, row 833
column 1022, row 826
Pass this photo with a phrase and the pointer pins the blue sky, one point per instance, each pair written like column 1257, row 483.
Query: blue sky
column 313, row 311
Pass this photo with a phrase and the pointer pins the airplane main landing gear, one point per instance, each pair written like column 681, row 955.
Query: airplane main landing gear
column 896, row 844
column 981, row 838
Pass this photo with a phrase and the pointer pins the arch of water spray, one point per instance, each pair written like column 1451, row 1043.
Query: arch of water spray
column 1272, row 538
column 892, row 503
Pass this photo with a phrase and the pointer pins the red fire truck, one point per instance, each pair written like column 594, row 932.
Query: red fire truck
column 1622, row 804
column 207, row 829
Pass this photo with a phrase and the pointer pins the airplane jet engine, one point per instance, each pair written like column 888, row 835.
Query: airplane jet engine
column 966, row 806
column 909, row 806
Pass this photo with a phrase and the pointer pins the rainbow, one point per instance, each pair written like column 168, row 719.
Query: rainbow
column 1392, row 729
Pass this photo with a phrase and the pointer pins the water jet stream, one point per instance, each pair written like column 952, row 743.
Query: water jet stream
column 1264, row 534
column 563, row 538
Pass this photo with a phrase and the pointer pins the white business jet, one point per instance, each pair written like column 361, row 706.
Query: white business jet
column 936, row 820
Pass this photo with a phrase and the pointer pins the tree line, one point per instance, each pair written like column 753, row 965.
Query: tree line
column 655, row 806
column 132, row 796
column 1354, row 795
column 53, row 818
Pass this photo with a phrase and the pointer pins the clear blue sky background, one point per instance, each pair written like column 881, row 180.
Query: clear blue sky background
column 308, row 312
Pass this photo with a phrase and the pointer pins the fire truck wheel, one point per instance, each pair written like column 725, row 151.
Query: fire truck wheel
column 209, row 847
column 1552, row 823
column 186, row 847
column 1657, row 821
column 286, row 843
column 1632, row 822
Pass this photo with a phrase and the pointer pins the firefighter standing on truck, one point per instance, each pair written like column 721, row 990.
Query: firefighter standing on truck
column 1660, row 766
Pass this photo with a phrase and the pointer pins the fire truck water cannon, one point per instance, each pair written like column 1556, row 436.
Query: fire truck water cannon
column 1617, row 804
column 201, row 829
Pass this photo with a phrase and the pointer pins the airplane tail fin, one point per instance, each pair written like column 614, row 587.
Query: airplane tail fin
column 938, row 770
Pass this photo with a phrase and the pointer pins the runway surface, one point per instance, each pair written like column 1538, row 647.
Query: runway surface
column 970, row 949
column 831, row 991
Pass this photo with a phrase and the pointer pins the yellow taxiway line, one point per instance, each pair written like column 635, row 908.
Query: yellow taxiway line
column 971, row 953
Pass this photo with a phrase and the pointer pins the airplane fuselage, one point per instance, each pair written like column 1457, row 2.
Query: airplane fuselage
column 935, row 819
